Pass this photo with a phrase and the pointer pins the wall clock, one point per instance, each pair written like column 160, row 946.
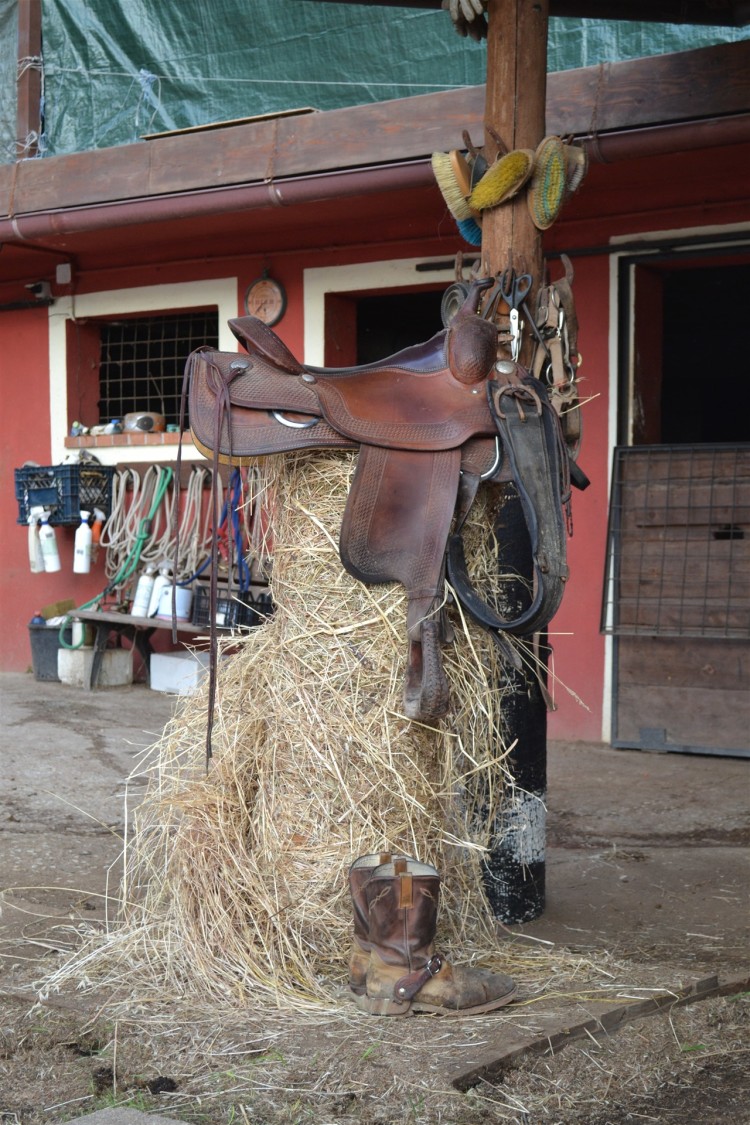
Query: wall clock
column 266, row 299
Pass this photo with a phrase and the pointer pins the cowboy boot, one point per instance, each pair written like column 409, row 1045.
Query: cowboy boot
column 359, row 957
column 405, row 974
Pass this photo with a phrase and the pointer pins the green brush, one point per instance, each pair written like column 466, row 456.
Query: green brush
column 548, row 185
column 503, row 179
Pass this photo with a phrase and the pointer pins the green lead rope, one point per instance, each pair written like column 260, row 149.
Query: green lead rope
column 130, row 565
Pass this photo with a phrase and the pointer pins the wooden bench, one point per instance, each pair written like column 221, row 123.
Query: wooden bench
column 139, row 630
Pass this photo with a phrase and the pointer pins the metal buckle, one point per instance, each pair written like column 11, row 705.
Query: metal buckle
column 437, row 961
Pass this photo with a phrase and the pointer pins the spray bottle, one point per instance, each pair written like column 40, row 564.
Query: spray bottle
column 162, row 580
column 96, row 532
column 82, row 546
column 36, row 560
column 143, row 590
column 48, row 544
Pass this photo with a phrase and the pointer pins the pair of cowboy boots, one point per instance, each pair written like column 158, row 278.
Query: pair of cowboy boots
column 393, row 966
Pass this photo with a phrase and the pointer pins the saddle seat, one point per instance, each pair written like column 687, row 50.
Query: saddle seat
column 426, row 397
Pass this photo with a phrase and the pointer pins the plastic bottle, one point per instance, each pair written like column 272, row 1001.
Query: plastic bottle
column 162, row 580
column 48, row 544
column 142, row 596
column 96, row 532
column 82, row 547
column 36, row 560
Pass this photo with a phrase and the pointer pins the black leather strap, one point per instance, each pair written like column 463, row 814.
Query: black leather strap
column 530, row 434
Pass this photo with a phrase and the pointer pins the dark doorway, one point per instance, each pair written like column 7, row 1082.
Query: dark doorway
column 705, row 392
column 385, row 324
column 679, row 527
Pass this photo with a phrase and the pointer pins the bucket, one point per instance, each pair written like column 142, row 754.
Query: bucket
column 183, row 603
column 45, row 644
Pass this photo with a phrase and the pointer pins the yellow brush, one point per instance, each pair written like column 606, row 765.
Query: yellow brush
column 503, row 179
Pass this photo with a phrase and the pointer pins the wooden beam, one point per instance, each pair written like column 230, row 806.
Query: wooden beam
column 29, row 87
column 713, row 13
column 711, row 82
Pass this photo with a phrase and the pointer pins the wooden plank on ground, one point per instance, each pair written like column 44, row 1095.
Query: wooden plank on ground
column 505, row 1054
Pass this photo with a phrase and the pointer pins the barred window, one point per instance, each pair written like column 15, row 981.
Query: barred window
column 142, row 361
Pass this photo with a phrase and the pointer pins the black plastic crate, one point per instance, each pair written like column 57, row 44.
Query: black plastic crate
column 64, row 490
column 45, row 645
column 233, row 611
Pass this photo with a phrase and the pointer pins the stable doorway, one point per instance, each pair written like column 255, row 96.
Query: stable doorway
column 677, row 587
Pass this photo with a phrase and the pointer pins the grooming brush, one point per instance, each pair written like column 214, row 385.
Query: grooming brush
column 451, row 173
column 576, row 166
column 470, row 231
column 453, row 178
column 548, row 184
column 503, row 179
column 475, row 160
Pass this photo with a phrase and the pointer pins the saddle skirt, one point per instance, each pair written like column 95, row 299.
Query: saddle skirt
column 430, row 423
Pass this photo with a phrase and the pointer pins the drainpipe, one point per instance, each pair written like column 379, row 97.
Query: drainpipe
column 215, row 201
column 297, row 190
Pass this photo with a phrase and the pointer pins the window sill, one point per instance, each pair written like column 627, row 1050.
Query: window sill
column 106, row 441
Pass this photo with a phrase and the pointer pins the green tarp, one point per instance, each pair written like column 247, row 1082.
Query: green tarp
column 8, row 69
column 115, row 70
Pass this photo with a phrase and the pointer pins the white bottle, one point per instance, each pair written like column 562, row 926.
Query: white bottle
column 48, row 543
column 36, row 560
column 82, row 547
column 162, row 580
column 142, row 596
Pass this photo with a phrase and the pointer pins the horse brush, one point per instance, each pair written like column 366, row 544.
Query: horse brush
column 576, row 166
column 470, row 231
column 503, row 179
column 549, row 183
column 452, row 175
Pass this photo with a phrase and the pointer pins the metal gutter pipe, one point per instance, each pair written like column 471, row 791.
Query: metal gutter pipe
column 214, row 201
column 295, row 191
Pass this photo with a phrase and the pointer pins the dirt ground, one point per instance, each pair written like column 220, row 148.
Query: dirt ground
column 646, row 894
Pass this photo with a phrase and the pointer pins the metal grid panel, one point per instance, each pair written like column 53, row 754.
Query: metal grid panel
column 678, row 545
column 142, row 361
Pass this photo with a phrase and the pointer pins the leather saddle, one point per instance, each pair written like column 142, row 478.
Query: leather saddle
column 430, row 423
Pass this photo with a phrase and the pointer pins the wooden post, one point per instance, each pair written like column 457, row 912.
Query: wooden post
column 514, row 869
column 514, row 110
column 28, row 106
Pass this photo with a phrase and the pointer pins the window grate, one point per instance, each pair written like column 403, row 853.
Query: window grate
column 142, row 361
column 678, row 543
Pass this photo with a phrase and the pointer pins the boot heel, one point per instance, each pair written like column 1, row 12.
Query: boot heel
column 383, row 1006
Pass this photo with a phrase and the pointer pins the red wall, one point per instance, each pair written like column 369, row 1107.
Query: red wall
column 26, row 437
column 661, row 193
column 578, row 648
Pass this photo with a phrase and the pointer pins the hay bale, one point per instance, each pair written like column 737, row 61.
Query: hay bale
column 235, row 881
